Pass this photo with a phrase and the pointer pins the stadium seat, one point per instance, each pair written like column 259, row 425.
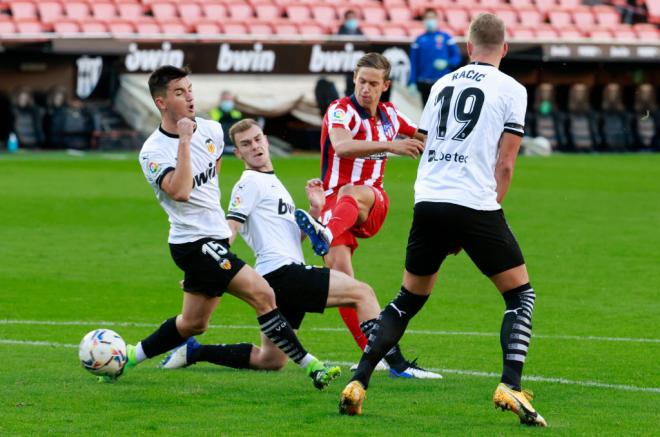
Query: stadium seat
column 545, row 32
column 7, row 28
column 23, row 10
column 476, row 10
column 559, row 18
column 147, row 27
column 29, row 26
column 174, row 27
column 394, row 30
column 600, row 33
column 457, row 18
column 517, row 4
column 545, row 5
column 399, row 13
column 240, row 11
column 93, row 26
column 259, row 28
column 325, row 13
column 569, row 4
column 190, row 12
column 267, row 10
column 50, row 11
column 207, row 28
column 522, row 33
column 66, row 26
column 120, row 27
column 606, row 16
column 298, row 13
column 623, row 32
column 584, row 18
column 490, row 3
column 214, row 11
column 507, row 14
column 530, row 16
column 371, row 30
column 415, row 28
column 104, row 11
column 311, row 29
column 130, row 11
column 374, row 14
column 234, row 28
column 647, row 31
column 164, row 11
column 77, row 10
column 570, row 32
column 285, row 28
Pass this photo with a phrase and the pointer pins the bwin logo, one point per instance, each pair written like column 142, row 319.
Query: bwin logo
column 334, row 61
column 204, row 176
column 285, row 208
column 149, row 60
column 245, row 60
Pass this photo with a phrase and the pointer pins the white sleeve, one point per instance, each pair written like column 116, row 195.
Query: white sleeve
column 426, row 122
column 514, row 120
column 244, row 197
column 155, row 165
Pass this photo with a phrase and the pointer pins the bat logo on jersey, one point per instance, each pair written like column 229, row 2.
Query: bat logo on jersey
column 204, row 176
column 210, row 146
column 225, row 264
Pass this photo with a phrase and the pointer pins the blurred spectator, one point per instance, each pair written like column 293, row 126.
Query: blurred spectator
column 350, row 26
column 68, row 124
column 646, row 125
column 432, row 55
column 632, row 11
column 28, row 119
column 325, row 93
column 582, row 126
column 545, row 119
column 226, row 113
column 615, row 121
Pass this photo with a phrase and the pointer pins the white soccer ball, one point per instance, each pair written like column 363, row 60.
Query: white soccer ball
column 103, row 352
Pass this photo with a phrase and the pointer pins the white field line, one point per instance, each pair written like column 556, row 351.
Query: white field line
column 409, row 331
column 475, row 373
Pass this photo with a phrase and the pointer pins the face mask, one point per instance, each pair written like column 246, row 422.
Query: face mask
column 351, row 24
column 226, row 105
column 431, row 24
column 545, row 107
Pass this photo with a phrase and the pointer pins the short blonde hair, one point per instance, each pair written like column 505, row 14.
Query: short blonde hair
column 241, row 126
column 487, row 31
column 376, row 61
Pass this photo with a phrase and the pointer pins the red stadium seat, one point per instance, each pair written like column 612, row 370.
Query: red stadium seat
column 7, row 27
column 164, row 11
column 324, row 13
column 130, row 11
column 120, row 27
column 298, row 12
column 570, row 32
column 66, row 26
column 28, row 26
column 207, row 28
column 476, row 10
column 545, row 32
column 23, row 10
column 530, row 16
column 600, row 33
column 190, row 12
column 240, row 11
column 147, row 28
column 457, row 17
column 416, row 28
column 545, row 5
column 267, row 11
column 517, row 4
column 311, row 29
column 77, row 10
column 93, row 26
column 560, row 19
column 584, row 18
column 50, row 11
column 508, row 15
column 491, row 3
column 623, row 32
column 371, row 30
column 234, row 28
column 606, row 16
column 174, row 27
column 104, row 11
column 214, row 11
column 399, row 13
column 260, row 28
column 522, row 33
column 285, row 28
column 374, row 14
column 394, row 30
column 569, row 4
column 647, row 31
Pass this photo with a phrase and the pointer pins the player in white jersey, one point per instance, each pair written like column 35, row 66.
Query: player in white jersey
column 262, row 211
column 474, row 120
column 181, row 161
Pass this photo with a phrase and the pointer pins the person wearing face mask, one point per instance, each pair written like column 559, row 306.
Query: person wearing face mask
column 433, row 54
column 226, row 114
column 350, row 26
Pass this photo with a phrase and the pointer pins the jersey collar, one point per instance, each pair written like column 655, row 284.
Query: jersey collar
column 481, row 63
column 364, row 114
column 263, row 172
column 171, row 135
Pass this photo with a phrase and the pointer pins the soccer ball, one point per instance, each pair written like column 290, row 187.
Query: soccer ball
column 103, row 353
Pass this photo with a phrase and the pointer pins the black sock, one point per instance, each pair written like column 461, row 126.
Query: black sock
column 393, row 357
column 229, row 355
column 516, row 333
column 164, row 339
column 391, row 325
column 277, row 329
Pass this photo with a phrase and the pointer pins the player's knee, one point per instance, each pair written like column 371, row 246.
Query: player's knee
column 262, row 297
column 193, row 327
column 273, row 363
column 348, row 190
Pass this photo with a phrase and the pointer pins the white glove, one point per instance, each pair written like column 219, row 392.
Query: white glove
column 440, row 64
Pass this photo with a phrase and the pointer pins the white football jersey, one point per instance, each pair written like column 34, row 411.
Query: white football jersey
column 201, row 216
column 465, row 116
column 265, row 208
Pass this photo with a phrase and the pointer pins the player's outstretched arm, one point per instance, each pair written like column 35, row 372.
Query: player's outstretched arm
column 178, row 183
column 506, row 159
column 347, row 147
column 315, row 196
column 234, row 226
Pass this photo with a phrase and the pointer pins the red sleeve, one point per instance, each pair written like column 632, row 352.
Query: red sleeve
column 338, row 115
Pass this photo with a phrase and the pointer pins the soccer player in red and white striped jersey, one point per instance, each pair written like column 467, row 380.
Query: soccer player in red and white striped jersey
column 358, row 132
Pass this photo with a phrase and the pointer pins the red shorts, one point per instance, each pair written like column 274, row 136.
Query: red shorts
column 368, row 229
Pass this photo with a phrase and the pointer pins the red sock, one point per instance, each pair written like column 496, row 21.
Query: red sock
column 349, row 315
column 344, row 216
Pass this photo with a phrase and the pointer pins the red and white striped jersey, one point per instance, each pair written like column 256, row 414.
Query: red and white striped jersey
column 346, row 113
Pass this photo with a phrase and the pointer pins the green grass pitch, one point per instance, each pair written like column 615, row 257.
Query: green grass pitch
column 83, row 241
